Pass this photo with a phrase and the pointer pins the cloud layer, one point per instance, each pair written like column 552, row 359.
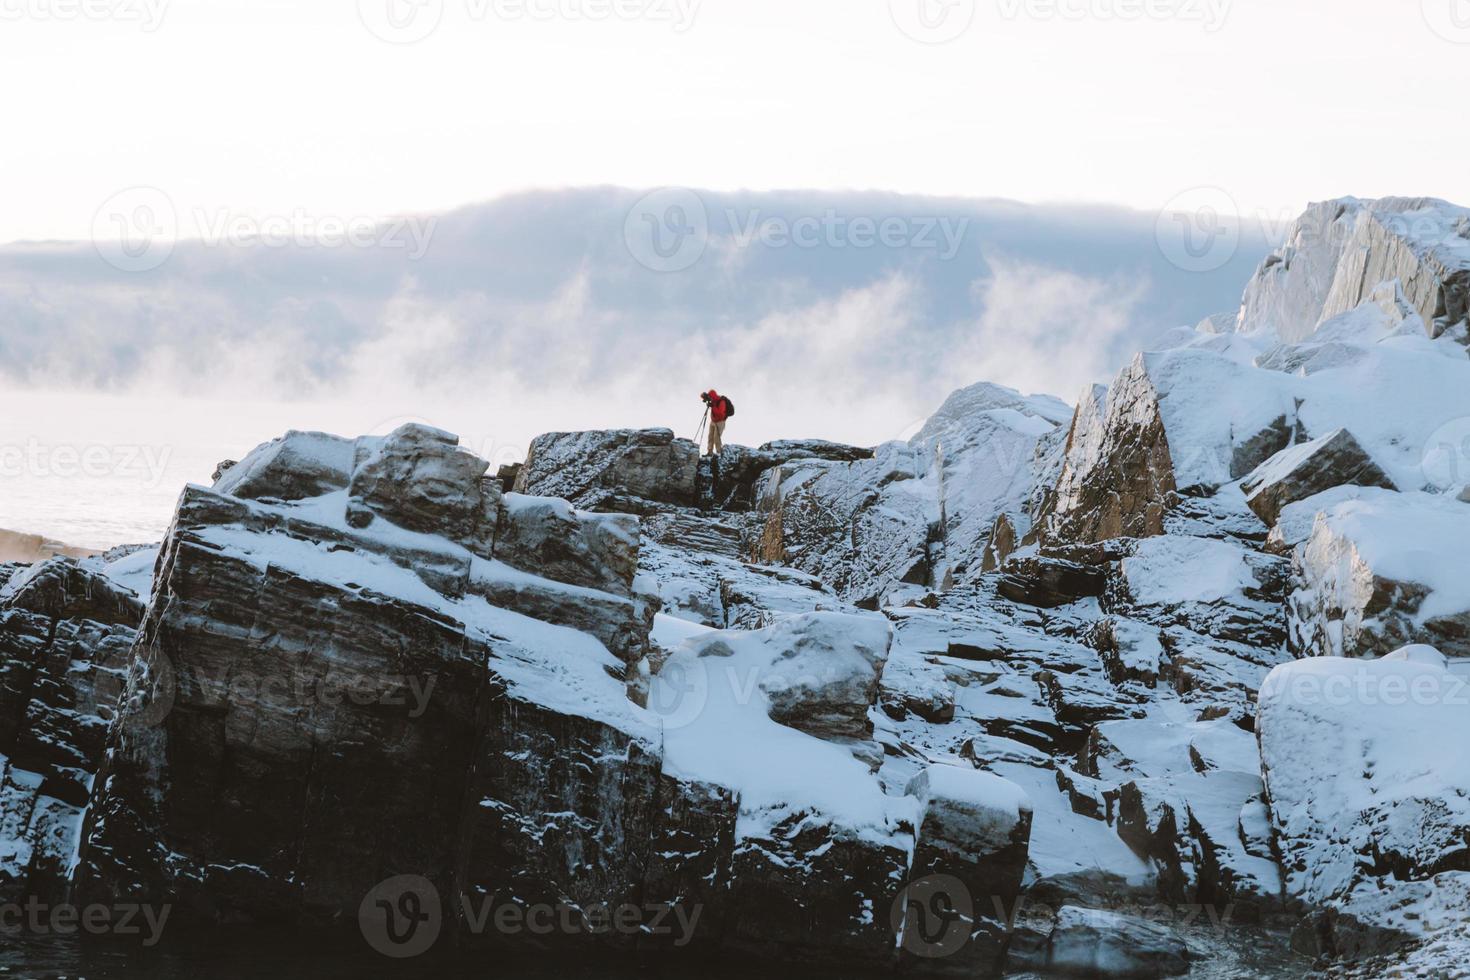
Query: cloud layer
column 842, row 315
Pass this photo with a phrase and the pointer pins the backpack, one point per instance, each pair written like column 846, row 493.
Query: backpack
column 729, row 408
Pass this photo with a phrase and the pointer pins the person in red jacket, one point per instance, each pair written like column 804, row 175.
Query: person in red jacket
column 719, row 410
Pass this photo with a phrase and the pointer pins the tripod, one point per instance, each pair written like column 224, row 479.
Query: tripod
column 703, row 422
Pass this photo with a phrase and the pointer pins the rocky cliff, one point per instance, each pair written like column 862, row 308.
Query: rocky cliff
column 1158, row 682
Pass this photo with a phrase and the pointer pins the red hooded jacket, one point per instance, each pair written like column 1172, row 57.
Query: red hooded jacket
column 719, row 408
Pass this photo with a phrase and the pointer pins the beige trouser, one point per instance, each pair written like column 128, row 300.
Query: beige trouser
column 716, row 437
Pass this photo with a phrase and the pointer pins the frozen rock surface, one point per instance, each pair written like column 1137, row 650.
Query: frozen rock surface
column 1368, row 794
column 1381, row 570
column 1340, row 251
column 1301, row 471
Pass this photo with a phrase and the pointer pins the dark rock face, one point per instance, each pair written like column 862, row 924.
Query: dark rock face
column 1002, row 543
column 1295, row 474
column 65, row 638
column 313, row 708
column 883, row 526
column 975, row 829
column 591, row 469
column 63, row 589
column 1130, row 460
column 1117, row 477
column 1049, row 582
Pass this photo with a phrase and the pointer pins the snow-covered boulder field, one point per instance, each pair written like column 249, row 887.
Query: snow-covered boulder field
column 1169, row 682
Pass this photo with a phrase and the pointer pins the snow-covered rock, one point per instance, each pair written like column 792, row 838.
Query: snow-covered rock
column 1176, row 422
column 1381, row 570
column 817, row 673
column 1339, row 251
column 1310, row 468
column 974, row 828
column 817, row 693
column 66, row 632
column 919, row 513
column 419, row 479
column 1365, row 778
column 1212, row 587
column 620, row 467
column 295, row 466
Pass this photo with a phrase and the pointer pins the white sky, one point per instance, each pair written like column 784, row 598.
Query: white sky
column 270, row 106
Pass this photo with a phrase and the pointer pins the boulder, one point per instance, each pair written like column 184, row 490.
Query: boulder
column 306, row 717
column 296, row 466
column 817, row 673
column 594, row 469
column 1049, row 582
column 64, row 588
column 1366, row 781
column 970, row 853
column 547, row 537
column 418, row 479
column 1178, row 422
column 1376, row 574
column 864, row 528
column 735, row 484
column 1301, row 471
